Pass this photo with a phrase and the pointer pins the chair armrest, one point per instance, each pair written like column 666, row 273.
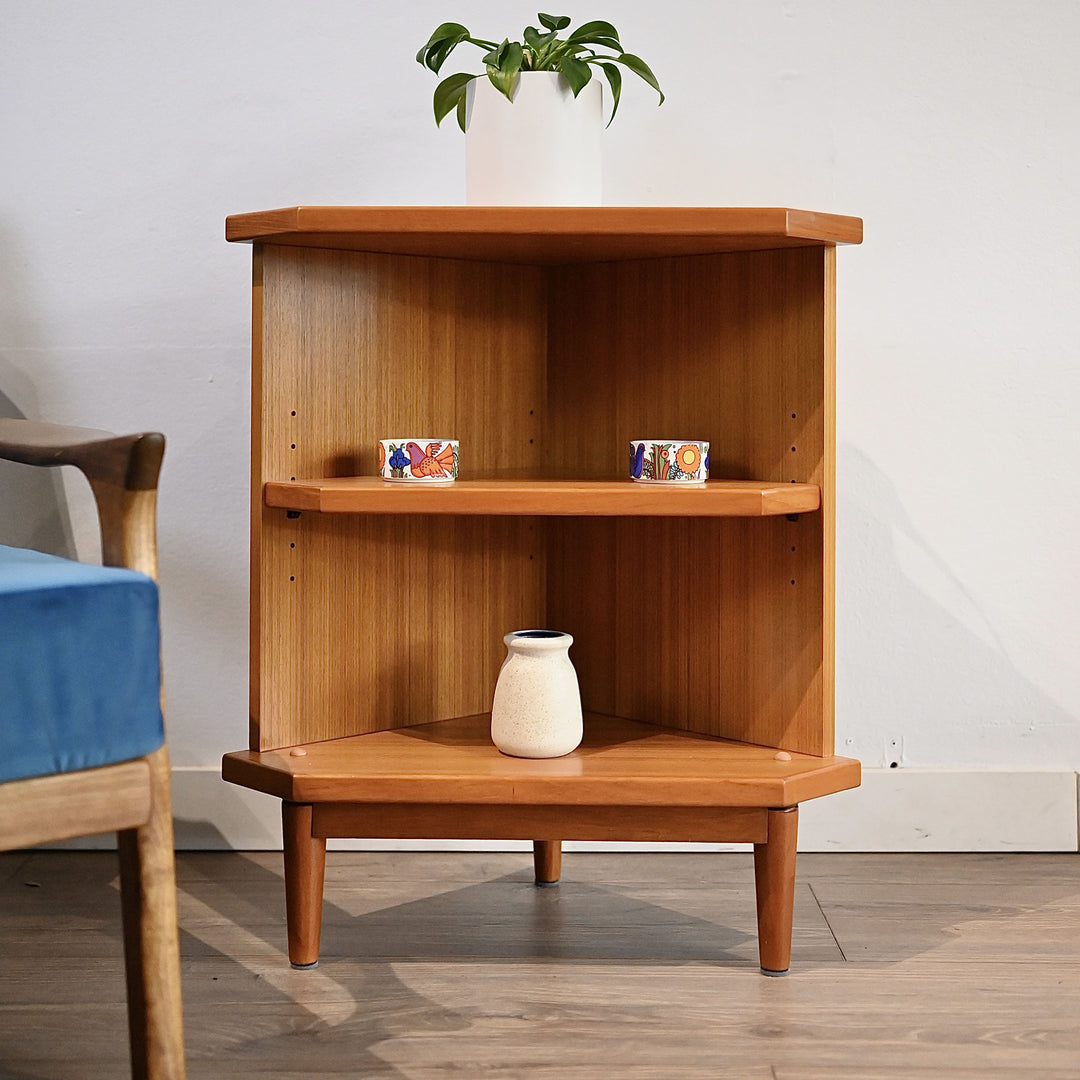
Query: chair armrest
column 132, row 462
column 123, row 473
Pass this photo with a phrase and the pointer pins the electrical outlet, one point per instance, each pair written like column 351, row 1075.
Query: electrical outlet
column 894, row 751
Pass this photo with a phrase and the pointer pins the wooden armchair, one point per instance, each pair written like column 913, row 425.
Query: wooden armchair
column 82, row 746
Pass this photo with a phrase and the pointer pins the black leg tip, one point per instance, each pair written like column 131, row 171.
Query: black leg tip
column 774, row 974
column 304, row 967
column 546, row 884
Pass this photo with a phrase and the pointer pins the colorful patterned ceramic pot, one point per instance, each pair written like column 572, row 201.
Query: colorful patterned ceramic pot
column 418, row 461
column 669, row 461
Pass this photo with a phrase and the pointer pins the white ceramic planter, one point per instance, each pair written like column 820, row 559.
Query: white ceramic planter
column 537, row 708
column 542, row 149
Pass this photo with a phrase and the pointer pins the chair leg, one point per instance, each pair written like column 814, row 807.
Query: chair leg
column 151, row 947
column 547, row 861
column 305, row 867
column 774, row 878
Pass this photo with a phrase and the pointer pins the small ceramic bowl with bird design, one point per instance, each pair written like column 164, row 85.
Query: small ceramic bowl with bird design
column 669, row 461
column 418, row 461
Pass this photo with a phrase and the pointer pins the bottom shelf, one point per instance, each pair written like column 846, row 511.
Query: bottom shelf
column 620, row 763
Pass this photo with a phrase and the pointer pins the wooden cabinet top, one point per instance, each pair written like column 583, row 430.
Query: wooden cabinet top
column 544, row 234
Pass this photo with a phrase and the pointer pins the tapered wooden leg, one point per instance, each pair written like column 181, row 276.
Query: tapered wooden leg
column 547, row 861
column 774, row 877
column 151, row 946
column 305, row 866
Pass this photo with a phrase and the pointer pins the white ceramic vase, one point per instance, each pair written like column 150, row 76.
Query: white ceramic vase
column 542, row 149
column 537, row 708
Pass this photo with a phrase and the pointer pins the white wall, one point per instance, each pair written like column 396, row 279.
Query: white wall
column 128, row 131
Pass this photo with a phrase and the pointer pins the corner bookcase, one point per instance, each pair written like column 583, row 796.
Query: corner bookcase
column 544, row 339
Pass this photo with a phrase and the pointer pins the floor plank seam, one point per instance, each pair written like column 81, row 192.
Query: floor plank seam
column 839, row 947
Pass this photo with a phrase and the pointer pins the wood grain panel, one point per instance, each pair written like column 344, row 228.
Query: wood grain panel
column 255, row 518
column 826, row 480
column 705, row 643
column 368, row 623
column 719, row 628
column 683, row 348
column 728, row 825
column 406, row 627
column 776, row 591
column 583, row 548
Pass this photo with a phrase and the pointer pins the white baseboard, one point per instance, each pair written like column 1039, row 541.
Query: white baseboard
column 946, row 810
column 894, row 810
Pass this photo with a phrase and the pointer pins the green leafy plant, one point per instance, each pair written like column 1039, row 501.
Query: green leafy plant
column 540, row 50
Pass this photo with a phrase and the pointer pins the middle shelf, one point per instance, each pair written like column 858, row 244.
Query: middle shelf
column 554, row 498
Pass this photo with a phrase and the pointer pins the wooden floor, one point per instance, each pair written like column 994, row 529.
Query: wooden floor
column 637, row 967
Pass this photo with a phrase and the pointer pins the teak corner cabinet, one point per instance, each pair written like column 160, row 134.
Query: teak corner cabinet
column 544, row 339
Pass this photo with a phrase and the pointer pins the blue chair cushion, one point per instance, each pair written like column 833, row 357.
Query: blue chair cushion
column 79, row 665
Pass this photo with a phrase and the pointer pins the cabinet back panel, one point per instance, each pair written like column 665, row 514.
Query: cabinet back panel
column 382, row 622
column 364, row 347
column 372, row 623
column 719, row 347
column 698, row 624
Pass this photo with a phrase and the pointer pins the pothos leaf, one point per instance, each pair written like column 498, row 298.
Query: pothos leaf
column 639, row 67
column 494, row 58
column 450, row 95
column 512, row 57
column 576, row 72
column 614, row 78
column 598, row 28
column 535, row 40
column 554, row 22
column 441, row 43
column 506, row 75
